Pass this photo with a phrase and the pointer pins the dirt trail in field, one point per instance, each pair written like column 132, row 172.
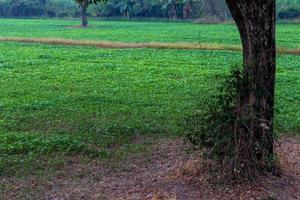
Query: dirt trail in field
column 168, row 172
column 154, row 45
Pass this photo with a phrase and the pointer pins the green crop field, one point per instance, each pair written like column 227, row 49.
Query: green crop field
column 62, row 100
column 287, row 35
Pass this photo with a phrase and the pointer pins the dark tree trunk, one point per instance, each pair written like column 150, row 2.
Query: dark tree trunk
column 256, row 21
column 213, row 9
column 187, row 10
column 173, row 11
column 83, row 11
column 173, row 14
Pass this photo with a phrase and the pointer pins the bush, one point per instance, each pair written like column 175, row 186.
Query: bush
column 221, row 128
column 4, row 8
column 211, row 126
column 26, row 8
column 289, row 13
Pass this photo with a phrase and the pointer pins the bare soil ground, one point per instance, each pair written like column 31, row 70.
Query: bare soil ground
column 168, row 171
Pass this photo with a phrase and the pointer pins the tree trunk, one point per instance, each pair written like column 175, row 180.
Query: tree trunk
column 83, row 10
column 127, row 13
column 212, row 8
column 256, row 22
column 187, row 10
column 173, row 12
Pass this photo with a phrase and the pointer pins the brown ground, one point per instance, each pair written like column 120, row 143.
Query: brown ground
column 168, row 172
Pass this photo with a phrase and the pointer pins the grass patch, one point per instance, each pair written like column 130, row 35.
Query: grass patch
column 25, row 143
column 61, row 101
column 34, row 153
column 140, row 32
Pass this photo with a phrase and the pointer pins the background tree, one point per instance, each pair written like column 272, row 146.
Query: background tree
column 83, row 6
column 27, row 8
column 58, row 8
column 208, row 10
column 190, row 9
column 126, row 7
column 210, row 7
column 171, row 8
column 256, row 23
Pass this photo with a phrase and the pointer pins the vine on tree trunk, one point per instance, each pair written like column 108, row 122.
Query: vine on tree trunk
column 227, row 129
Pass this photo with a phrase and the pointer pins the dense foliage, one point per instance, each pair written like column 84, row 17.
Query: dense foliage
column 210, row 10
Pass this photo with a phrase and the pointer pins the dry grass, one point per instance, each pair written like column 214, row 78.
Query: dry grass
column 154, row 45
column 288, row 51
column 166, row 173
column 109, row 44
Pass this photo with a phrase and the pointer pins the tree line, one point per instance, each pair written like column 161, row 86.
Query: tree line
column 208, row 10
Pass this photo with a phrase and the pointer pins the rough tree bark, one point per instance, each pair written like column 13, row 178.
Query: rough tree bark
column 256, row 22
column 83, row 11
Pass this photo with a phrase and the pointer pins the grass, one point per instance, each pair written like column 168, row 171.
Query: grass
column 65, row 89
column 140, row 32
column 28, row 153
column 58, row 101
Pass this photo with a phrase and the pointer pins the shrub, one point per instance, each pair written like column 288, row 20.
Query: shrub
column 222, row 131
column 289, row 13
column 26, row 8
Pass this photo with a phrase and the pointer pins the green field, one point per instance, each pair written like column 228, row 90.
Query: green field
column 84, row 100
column 287, row 34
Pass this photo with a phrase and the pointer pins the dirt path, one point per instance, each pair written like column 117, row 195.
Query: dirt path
column 168, row 172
